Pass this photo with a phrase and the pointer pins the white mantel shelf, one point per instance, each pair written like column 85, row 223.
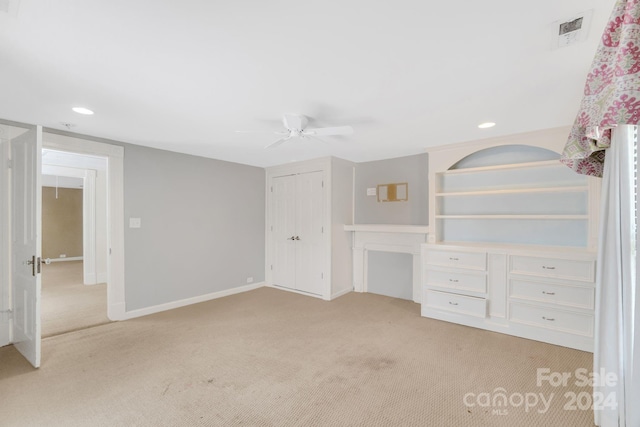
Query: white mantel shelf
column 388, row 228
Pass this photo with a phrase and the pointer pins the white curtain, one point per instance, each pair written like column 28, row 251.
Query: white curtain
column 617, row 399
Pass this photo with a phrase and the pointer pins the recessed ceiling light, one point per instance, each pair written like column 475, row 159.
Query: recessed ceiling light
column 486, row 125
column 82, row 110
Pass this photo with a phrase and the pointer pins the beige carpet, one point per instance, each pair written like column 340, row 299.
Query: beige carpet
column 67, row 304
column 273, row 358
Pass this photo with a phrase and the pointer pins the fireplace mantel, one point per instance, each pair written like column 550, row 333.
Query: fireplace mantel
column 386, row 238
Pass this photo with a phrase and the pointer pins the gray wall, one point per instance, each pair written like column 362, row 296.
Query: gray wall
column 62, row 218
column 202, row 225
column 390, row 274
column 411, row 169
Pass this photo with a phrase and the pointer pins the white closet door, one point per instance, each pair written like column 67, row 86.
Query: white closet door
column 310, row 257
column 284, row 230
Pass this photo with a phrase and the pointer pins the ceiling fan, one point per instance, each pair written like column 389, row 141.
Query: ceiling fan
column 296, row 126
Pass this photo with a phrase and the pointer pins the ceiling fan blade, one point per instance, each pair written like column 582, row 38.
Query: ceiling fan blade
column 263, row 131
column 278, row 142
column 339, row 130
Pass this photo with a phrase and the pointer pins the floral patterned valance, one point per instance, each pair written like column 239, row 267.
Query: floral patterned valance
column 612, row 91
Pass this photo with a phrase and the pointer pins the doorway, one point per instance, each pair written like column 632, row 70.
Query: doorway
column 20, row 221
column 114, row 178
column 74, row 249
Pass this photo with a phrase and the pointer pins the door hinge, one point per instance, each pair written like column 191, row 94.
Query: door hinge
column 109, row 251
column 322, row 184
column 6, row 315
column 322, row 230
column 272, row 228
column 9, row 164
column 322, row 275
column 271, row 267
column 272, row 188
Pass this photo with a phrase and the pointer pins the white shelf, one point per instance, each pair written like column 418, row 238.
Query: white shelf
column 388, row 228
column 480, row 216
column 516, row 191
column 519, row 166
column 537, row 250
column 541, row 203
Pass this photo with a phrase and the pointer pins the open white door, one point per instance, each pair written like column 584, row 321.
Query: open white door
column 26, row 232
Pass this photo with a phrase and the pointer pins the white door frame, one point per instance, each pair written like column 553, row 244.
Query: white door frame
column 5, row 247
column 90, row 275
column 115, row 211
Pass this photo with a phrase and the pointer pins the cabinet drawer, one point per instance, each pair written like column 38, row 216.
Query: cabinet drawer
column 458, row 259
column 572, row 296
column 582, row 270
column 457, row 303
column 455, row 280
column 549, row 318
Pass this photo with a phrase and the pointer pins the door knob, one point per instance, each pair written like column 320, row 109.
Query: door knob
column 35, row 265
column 292, row 238
column 297, row 237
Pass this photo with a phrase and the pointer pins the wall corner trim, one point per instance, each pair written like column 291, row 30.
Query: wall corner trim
column 188, row 301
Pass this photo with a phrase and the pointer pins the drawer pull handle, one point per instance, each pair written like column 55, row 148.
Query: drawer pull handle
column 546, row 267
column 453, row 258
column 453, row 280
column 550, row 319
column 453, row 303
column 548, row 293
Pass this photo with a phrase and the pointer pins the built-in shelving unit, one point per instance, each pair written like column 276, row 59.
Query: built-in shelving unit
column 542, row 203
column 512, row 245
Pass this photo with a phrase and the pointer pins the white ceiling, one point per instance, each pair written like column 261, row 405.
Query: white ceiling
column 185, row 75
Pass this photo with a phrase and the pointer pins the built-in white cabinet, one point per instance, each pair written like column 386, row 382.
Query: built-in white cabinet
column 546, row 294
column 307, row 248
column 512, row 244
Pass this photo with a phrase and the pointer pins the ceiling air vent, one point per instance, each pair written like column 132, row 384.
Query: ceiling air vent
column 572, row 30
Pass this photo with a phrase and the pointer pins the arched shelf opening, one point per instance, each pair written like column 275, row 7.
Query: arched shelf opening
column 505, row 154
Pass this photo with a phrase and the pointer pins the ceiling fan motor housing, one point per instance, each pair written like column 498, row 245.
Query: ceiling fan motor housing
column 295, row 122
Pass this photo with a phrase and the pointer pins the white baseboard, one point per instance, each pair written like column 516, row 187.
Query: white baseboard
column 295, row 291
column 340, row 293
column 188, row 301
column 71, row 258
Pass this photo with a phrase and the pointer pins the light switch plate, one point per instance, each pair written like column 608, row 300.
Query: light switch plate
column 371, row 191
column 135, row 222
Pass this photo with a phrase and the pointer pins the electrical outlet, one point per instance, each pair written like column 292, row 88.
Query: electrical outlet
column 371, row 191
column 135, row 222
column 249, row 279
